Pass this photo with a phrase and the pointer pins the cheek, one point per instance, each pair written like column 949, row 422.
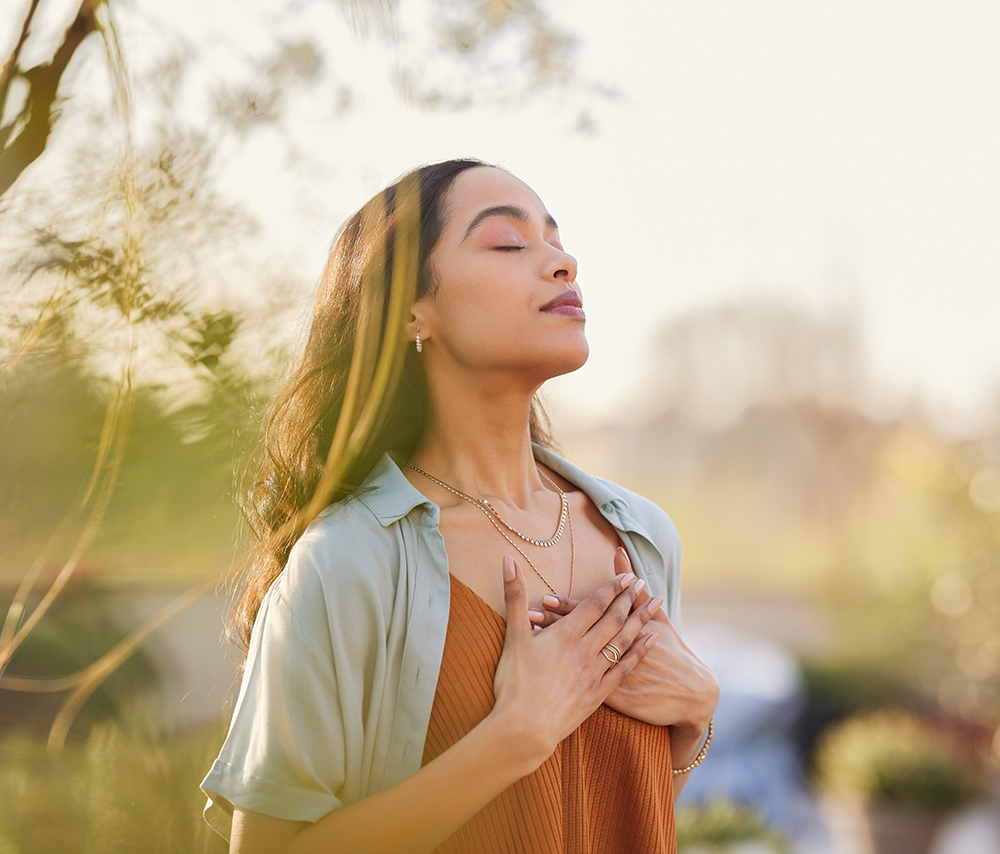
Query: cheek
column 477, row 299
column 480, row 328
column 478, row 319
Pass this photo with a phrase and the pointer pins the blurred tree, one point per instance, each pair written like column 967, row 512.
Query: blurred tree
column 444, row 56
column 23, row 138
column 127, row 366
column 713, row 365
column 757, row 417
column 921, row 568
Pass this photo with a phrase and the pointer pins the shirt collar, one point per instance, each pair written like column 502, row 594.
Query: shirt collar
column 600, row 491
column 390, row 496
column 607, row 497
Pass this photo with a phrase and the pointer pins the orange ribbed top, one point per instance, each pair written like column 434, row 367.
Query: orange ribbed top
column 606, row 790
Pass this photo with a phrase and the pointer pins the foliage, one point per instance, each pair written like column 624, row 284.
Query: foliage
column 79, row 630
column 920, row 564
column 838, row 688
column 125, row 789
column 129, row 365
column 176, row 474
column 24, row 137
column 845, row 687
column 108, row 305
column 718, row 826
column 464, row 57
column 892, row 755
column 781, row 478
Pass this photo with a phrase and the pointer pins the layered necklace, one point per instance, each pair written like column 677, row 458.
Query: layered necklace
column 565, row 520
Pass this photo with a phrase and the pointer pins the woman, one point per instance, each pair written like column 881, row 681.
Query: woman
column 449, row 649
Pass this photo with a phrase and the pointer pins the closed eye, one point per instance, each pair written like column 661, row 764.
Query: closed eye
column 508, row 248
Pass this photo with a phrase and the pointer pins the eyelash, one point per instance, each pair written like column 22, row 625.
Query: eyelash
column 508, row 248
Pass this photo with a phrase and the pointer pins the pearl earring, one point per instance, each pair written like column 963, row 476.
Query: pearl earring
column 419, row 343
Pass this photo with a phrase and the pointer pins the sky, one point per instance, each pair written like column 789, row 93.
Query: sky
column 838, row 156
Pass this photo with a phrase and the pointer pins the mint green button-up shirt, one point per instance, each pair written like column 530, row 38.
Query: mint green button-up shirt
column 344, row 658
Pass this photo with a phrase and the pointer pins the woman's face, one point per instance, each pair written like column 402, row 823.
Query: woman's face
column 506, row 297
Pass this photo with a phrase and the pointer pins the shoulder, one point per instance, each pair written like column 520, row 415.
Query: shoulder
column 351, row 561
column 649, row 516
column 360, row 539
column 639, row 512
column 346, row 563
column 344, row 533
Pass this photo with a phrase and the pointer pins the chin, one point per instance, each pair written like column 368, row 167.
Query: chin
column 570, row 360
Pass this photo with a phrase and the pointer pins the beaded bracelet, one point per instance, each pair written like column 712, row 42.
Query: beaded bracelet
column 676, row 772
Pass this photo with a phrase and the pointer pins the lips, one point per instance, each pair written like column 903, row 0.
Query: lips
column 568, row 303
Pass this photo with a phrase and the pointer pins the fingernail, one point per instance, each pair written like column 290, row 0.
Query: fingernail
column 508, row 568
column 626, row 579
column 638, row 585
column 624, row 553
column 651, row 639
column 535, row 616
column 654, row 604
column 551, row 601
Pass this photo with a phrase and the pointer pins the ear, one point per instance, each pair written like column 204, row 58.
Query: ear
column 419, row 320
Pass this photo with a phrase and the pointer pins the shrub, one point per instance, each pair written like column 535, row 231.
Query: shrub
column 123, row 790
column 894, row 756
column 721, row 825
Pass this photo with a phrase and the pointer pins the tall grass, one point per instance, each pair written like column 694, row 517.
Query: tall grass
column 126, row 788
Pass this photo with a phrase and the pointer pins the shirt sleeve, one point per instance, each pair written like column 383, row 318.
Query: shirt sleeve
column 286, row 751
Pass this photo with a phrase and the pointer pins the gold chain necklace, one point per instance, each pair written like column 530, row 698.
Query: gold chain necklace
column 483, row 504
column 490, row 512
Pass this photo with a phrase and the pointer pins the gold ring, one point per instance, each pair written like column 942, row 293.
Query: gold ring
column 611, row 653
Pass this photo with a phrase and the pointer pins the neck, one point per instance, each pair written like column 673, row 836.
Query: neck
column 478, row 440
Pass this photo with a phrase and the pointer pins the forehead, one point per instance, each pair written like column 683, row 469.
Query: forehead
column 485, row 187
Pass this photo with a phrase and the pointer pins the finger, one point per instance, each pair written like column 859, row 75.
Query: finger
column 593, row 608
column 651, row 606
column 622, row 565
column 515, row 597
column 616, row 648
column 561, row 605
column 541, row 619
column 616, row 616
column 614, row 676
column 622, row 562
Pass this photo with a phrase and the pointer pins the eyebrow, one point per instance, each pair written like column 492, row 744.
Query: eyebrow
column 510, row 211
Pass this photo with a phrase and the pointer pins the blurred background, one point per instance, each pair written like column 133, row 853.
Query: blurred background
column 786, row 217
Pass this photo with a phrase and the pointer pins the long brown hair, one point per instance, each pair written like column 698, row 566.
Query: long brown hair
column 359, row 391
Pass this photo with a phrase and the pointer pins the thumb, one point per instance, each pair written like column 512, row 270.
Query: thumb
column 516, row 602
column 623, row 565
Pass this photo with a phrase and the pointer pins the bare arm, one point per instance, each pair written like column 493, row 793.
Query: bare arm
column 546, row 684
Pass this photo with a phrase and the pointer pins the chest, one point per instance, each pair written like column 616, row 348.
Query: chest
column 567, row 802
column 584, row 554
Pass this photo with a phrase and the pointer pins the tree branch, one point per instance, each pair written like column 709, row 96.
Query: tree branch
column 26, row 146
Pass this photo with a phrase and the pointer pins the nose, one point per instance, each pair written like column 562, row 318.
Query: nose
column 562, row 266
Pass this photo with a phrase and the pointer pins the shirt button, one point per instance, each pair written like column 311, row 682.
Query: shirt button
column 606, row 508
